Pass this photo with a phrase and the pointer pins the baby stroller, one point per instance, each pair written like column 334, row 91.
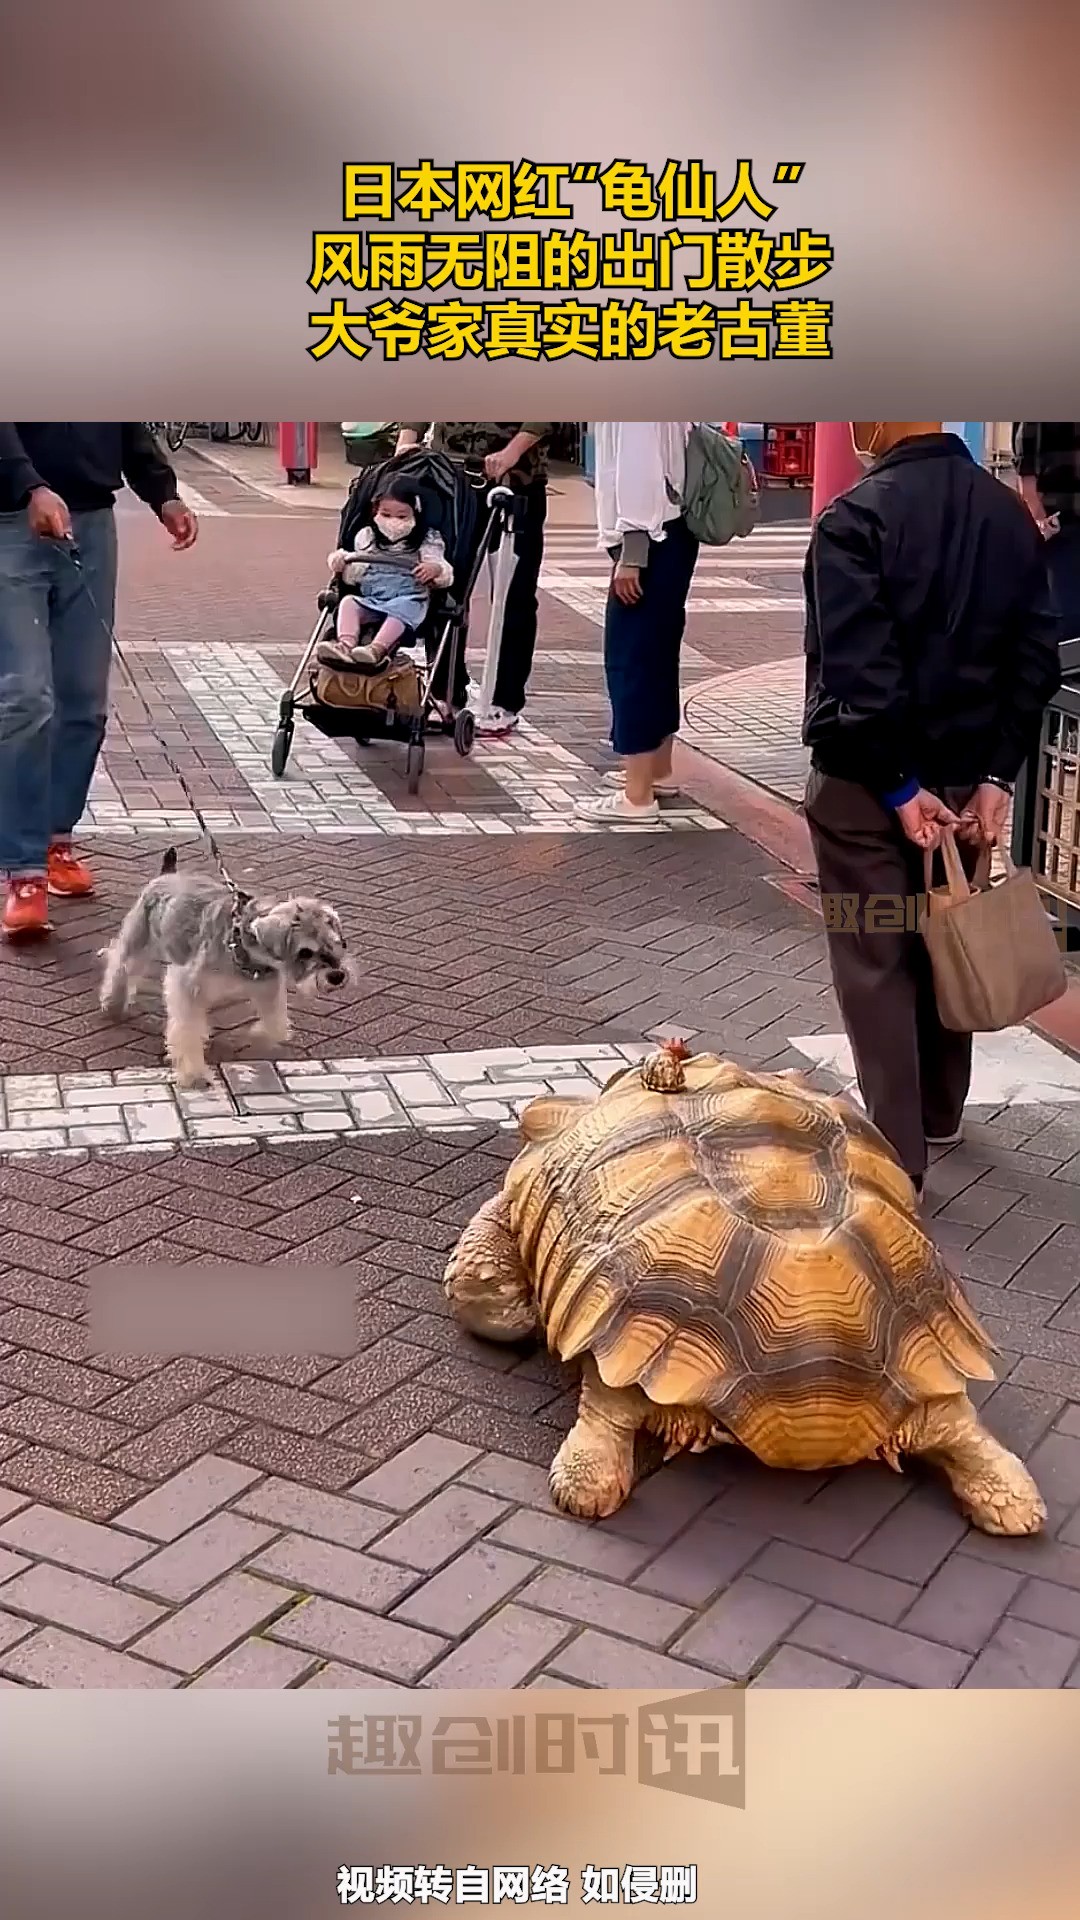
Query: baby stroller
column 396, row 702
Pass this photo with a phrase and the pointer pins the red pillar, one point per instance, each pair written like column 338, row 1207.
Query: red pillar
column 835, row 464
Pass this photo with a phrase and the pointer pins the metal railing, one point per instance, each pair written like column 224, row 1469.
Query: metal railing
column 1046, row 809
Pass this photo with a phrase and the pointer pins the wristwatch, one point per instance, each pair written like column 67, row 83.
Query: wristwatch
column 1004, row 786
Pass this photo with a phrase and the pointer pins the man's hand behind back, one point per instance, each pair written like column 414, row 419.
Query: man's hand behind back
column 925, row 818
column 985, row 817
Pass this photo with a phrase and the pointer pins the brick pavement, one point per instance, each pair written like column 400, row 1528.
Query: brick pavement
column 306, row 1522
column 252, row 1523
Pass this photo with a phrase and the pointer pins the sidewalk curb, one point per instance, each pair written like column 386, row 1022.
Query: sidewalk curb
column 781, row 832
column 300, row 499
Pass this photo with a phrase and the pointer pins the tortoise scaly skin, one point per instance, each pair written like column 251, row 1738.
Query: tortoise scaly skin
column 733, row 1257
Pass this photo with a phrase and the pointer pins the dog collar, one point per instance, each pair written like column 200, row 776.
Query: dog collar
column 241, row 957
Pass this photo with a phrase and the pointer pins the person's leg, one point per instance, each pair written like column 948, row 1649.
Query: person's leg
column 859, row 854
column 642, row 650
column 378, row 649
column 944, row 1057
column 518, row 644
column 1063, row 565
column 26, row 709
column 348, row 621
column 81, row 627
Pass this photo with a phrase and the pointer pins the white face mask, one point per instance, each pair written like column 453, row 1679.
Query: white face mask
column 395, row 527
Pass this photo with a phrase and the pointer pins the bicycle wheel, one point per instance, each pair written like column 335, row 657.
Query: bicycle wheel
column 175, row 434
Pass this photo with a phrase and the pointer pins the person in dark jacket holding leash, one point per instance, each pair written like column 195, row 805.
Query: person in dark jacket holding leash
column 58, row 482
column 931, row 652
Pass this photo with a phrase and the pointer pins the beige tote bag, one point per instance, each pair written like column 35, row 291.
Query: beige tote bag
column 994, row 954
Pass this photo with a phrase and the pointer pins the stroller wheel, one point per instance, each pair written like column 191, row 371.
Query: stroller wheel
column 464, row 732
column 279, row 752
column 414, row 765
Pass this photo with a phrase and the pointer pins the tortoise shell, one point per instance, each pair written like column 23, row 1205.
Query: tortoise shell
column 739, row 1243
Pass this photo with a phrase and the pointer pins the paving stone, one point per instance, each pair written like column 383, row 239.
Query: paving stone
column 510, row 1479
column 197, row 1558
column 791, row 1667
column 961, row 1606
column 448, row 1522
column 71, row 1542
column 742, row 1625
column 602, row 1603
column 67, row 1599
column 13, row 1628
column 914, row 1540
column 59, row 1660
column 417, row 1473
column 476, row 1581
column 257, row 1664
column 1045, row 1605
column 318, row 1566
column 11, row 1564
column 837, row 1582
column 1022, row 1655
column 182, row 1502
column 339, row 1632
column 93, row 1491
column 598, row 1660
column 306, row 1510
column 704, row 1559
column 338, row 1676
column 549, row 1536
column 887, row 1651
column 207, row 1627
column 501, row 1653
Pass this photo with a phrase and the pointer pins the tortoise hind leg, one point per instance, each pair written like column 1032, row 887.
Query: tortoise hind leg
column 486, row 1282
column 994, row 1488
column 595, row 1468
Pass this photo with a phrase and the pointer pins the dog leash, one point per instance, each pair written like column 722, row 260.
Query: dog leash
column 240, row 898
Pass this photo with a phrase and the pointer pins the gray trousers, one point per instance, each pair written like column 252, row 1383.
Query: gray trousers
column 914, row 1075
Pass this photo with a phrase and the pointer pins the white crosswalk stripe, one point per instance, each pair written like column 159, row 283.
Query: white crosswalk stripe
column 726, row 580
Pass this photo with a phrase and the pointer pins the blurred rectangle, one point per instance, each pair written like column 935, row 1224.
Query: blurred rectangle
column 159, row 1312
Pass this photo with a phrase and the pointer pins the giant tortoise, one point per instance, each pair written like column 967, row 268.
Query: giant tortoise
column 733, row 1257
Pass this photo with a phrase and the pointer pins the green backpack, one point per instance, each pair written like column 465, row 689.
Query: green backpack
column 720, row 499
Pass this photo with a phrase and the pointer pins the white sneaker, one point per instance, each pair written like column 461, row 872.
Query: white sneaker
column 664, row 789
column 496, row 720
column 614, row 809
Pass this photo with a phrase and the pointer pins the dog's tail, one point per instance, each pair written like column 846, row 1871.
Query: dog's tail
column 168, row 865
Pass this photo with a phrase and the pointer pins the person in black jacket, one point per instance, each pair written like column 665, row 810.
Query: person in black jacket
column 1048, row 466
column 931, row 652
column 58, row 483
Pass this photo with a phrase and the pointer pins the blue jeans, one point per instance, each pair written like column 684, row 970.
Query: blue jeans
column 54, row 680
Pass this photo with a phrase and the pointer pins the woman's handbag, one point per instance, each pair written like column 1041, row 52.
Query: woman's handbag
column 993, row 952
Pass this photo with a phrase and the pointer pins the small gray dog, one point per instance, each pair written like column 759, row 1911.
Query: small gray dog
column 211, row 948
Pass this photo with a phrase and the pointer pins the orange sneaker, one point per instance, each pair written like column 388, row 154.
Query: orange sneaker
column 67, row 875
column 26, row 909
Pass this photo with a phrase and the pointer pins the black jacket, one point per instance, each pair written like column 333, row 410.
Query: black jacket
column 931, row 637
column 85, row 461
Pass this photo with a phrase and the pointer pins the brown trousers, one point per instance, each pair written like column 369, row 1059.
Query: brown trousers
column 913, row 1074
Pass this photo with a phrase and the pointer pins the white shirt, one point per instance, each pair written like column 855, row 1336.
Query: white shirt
column 637, row 461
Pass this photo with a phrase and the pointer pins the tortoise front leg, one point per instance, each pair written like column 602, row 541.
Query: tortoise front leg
column 594, row 1470
column 994, row 1488
column 486, row 1282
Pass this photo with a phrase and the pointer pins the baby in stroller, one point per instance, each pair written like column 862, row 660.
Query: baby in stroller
column 395, row 562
